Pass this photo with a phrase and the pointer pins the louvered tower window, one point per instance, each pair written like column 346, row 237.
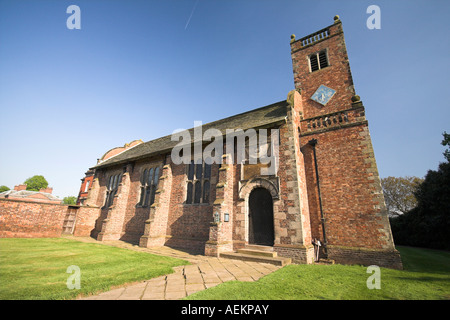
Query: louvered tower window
column 318, row 60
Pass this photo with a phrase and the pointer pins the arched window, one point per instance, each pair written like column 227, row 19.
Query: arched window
column 148, row 187
column 191, row 170
column 206, row 187
column 111, row 190
column 198, row 191
column 198, row 183
column 149, row 184
column 141, row 199
column 189, row 193
column 198, row 171
column 207, row 171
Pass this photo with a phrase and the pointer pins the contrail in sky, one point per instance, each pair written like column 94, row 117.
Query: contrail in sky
column 193, row 9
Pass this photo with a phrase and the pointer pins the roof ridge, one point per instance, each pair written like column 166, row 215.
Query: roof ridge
column 144, row 149
column 219, row 120
column 241, row 114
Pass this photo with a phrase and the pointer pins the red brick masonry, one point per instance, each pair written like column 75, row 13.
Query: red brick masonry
column 26, row 219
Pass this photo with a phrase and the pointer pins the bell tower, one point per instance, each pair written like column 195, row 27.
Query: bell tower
column 322, row 71
column 346, row 203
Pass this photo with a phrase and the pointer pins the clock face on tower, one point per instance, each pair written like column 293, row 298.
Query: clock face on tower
column 323, row 94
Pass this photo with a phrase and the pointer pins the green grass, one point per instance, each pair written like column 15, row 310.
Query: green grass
column 36, row 268
column 426, row 276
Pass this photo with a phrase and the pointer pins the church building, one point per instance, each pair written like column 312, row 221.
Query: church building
column 325, row 188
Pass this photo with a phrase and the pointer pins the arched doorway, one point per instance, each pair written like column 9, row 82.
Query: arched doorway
column 260, row 217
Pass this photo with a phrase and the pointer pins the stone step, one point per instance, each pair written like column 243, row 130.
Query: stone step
column 258, row 252
column 325, row 261
column 258, row 247
column 278, row 261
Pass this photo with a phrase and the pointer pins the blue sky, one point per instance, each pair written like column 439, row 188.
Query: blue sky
column 141, row 69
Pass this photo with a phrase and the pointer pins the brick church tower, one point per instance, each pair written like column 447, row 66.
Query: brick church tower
column 346, row 203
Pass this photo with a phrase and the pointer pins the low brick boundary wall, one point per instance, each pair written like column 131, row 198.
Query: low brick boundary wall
column 27, row 219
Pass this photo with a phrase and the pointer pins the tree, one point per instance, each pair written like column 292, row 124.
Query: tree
column 36, row 183
column 428, row 224
column 70, row 200
column 446, row 142
column 399, row 194
column 4, row 188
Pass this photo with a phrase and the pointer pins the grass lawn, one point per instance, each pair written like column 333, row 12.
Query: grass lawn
column 426, row 276
column 36, row 268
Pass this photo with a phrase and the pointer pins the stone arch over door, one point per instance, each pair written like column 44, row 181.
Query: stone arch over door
column 245, row 190
column 244, row 195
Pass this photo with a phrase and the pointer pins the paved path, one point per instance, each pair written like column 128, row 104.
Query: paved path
column 204, row 272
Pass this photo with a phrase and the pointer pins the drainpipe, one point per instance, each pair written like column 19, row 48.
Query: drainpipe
column 313, row 143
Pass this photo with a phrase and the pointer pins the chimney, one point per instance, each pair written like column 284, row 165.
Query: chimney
column 47, row 190
column 20, row 187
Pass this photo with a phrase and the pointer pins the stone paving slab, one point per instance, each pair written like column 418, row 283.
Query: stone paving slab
column 203, row 273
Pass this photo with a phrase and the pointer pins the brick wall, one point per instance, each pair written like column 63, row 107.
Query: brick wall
column 111, row 225
column 188, row 224
column 351, row 203
column 30, row 219
column 135, row 216
column 26, row 219
column 155, row 227
column 85, row 221
column 220, row 237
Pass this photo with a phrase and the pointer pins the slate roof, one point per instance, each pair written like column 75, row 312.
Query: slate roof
column 251, row 119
